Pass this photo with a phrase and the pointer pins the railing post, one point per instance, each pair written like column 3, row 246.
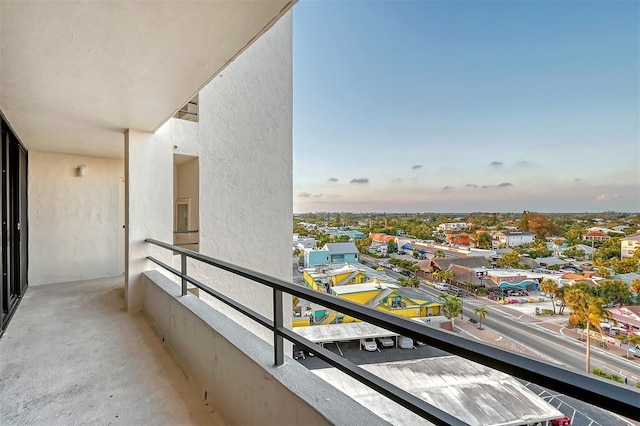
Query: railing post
column 278, row 322
column 183, row 272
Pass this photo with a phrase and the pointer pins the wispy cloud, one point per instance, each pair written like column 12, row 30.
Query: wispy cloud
column 471, row 185
column 396, row 180
column 500, row 185
column 606, row 197
column 496, row 164
column 524, row 163
column 360, row 180
column 416, row 167
column 333, row 179
column 308, row 194
column 447, row 188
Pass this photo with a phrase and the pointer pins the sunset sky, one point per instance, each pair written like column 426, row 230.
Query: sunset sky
column 454, row 106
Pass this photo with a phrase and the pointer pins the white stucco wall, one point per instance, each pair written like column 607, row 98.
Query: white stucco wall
column 149, row 205
column 244, row 144
column 74, row 222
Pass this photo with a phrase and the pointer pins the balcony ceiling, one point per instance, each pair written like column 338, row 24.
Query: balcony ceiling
column 75, row 75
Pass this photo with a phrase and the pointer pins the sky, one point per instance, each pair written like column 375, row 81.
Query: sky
column 466, row 106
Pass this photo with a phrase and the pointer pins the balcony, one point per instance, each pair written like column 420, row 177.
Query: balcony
column 73, row 355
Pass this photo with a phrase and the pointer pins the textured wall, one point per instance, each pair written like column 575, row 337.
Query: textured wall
column 149, row 205
column 236, row 369
column 244, row 145
column 74, row 225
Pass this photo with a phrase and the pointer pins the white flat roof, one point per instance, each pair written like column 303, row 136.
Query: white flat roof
column 342, row 332
column 356, row 288
column 476, row 394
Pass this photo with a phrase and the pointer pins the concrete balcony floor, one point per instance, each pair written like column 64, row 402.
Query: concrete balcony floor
column 73, row 355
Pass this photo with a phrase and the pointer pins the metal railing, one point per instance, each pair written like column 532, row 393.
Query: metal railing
column 592, row 390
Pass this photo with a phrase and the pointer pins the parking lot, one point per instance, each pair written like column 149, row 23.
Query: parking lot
column 351, row 351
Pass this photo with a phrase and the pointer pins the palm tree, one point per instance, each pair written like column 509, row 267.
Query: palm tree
column 468, row 286
column 550, row 286
column 482, row 314
column 560, row 296
column 452, row 306
column 630, row 340
column 437, row 275
column 589, row 311
column 448, row 275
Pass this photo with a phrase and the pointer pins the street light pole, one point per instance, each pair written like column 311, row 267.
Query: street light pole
column 462, row 304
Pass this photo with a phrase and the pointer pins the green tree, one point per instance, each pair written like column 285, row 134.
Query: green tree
column 624, row 266
column 344, row 238
column 448, row 276
column 363, row 245
column 589, row 311
column 574, row 235
column 439, row 254
column 509, row 260
column 415, row 253
column 630, row 340
column 608, row 249
column 484, row 240
column 482, row 314
column 391, row 247
column 452, row 306
column 550, row 286
column 560, row 296
column 468, row 286
column 574, row 253
column 614, row 292
column 635, row 286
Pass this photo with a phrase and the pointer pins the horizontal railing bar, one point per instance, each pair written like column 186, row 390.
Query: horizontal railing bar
column 260, row 319
column 187, row 112
column 391, row 391
column 407, row 400
column 165, row 266
column 190, row 231
column 592, row 390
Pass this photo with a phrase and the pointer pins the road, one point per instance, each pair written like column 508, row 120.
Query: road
column 552, row 347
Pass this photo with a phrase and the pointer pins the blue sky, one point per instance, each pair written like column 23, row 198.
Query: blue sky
column 462, row 106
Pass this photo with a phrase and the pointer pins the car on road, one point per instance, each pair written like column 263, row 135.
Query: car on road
column 369, row 344
column 386, row 342
column 441, row 286
column 396, row 269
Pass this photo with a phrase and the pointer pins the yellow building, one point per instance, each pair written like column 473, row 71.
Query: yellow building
column 390, row 298
column 319, row 279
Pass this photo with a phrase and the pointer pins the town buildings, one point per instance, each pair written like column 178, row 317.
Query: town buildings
column 629, row 245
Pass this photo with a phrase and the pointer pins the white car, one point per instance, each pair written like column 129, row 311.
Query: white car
column 397, row 270
column 369, row 344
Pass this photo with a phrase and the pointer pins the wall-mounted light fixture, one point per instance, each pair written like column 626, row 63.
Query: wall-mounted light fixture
column 81, row 170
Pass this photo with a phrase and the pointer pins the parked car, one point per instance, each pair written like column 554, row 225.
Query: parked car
column 396, row 269
column 386, row 342
column 405, row 342
column 369, row 344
